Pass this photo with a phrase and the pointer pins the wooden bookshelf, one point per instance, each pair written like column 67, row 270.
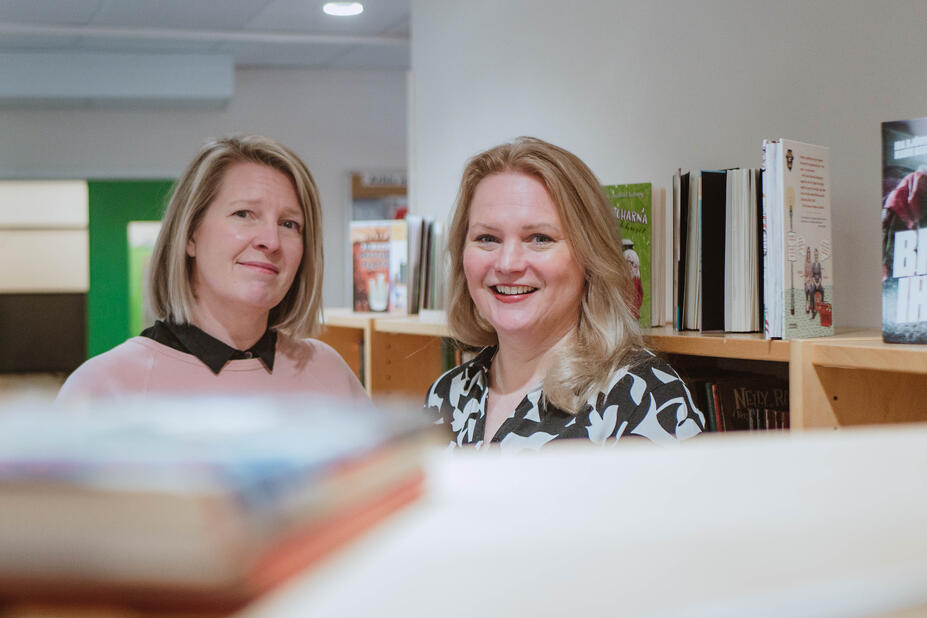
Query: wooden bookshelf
column 407, row 353
column 349, row 333
column 849, row 379
column 749, row 346
column 857, row 380
column 391, row 354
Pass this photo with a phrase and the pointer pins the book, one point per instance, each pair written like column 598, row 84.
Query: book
column 380, row 258
column 798, row 265
column 633, row 204
column 194, row 503
column 743, row 261
column 661, row 259
column 904, row 231
column 711, row 213
column 751, row 402
column 680, row 236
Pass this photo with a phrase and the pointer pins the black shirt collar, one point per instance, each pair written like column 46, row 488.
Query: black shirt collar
column 213, row 353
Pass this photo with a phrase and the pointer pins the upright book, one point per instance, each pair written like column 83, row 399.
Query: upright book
column 633, row 205
column 380, row 255
column 904, row 231
column 798, row 266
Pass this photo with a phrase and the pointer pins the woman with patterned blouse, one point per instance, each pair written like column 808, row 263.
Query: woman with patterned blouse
column 539, row 281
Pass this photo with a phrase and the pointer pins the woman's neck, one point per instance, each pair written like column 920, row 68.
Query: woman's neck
column 518, row 368
column 241, row 331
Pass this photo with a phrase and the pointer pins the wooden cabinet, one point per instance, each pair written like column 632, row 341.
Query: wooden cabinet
column 857, row 379
column 391, row 355
column 849, row 379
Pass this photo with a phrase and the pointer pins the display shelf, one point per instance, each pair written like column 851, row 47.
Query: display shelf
column 392, row 355
column 748, row 346
column 852, row 378
column 857, row 380
column 412, row 325
column 349, row 333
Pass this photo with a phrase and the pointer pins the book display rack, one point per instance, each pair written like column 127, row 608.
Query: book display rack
column 851, row 378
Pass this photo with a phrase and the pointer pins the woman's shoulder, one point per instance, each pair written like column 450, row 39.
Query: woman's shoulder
column 306, row 350
column 646, row 365
column 108, row 372
column 460, row 377
column 319, row 363
column 469, row 368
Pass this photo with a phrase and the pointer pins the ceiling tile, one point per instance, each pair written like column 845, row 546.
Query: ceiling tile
column 243, row 17
column 185, row 14
column 49, row 12
column 367, row 57
column 16, row 42
column 307, row 16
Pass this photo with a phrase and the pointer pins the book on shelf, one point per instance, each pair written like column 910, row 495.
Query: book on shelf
column 200, row 503
column 740, row 401
column 715, row 247
column 798, row 266
column 743, row 265
column 751, row 402
column 904, row 231
column 435, row 267
column 640, row 210
column 380, row 263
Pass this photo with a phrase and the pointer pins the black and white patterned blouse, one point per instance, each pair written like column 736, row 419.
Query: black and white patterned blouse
column 647, row 400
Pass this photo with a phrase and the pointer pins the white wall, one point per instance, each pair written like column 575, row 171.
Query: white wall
column 638, row 88
column 338, row 121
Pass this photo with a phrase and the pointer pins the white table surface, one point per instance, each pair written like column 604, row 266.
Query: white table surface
column 801, row 524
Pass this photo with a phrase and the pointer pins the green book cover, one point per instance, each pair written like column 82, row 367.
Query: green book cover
column 632, row 211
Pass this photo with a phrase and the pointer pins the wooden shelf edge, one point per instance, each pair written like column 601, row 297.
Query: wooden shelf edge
column 411, row 325
column 870, row 353
column 748, row 346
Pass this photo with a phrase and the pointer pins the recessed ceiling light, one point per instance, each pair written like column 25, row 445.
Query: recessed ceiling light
column 343, row 9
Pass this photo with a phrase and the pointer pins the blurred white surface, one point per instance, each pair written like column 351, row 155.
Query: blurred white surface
column 813, row 524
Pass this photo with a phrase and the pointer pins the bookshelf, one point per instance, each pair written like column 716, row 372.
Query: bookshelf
column 857, row 379
column 851, row 378
column 349, row 333
column 389, row 354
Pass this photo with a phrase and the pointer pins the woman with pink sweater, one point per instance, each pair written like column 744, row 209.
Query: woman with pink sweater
column 236, row 280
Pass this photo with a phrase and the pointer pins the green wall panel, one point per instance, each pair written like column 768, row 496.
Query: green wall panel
column 113, row 203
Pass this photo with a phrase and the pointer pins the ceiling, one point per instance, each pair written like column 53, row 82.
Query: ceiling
column 256, row 33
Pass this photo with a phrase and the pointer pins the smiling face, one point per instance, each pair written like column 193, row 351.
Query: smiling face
column 520, row 269
column 248, row 246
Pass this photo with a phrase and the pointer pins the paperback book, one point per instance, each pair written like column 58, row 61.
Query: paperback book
column 904, row 231
column 380, row 257
column 633, row 212
column 798, row 266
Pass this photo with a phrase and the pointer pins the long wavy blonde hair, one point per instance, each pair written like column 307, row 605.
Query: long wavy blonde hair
column 606, row 333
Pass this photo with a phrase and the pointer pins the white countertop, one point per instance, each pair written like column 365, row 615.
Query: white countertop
column 800, row 524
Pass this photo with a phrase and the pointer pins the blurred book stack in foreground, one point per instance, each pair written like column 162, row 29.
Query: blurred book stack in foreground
column 194, row 504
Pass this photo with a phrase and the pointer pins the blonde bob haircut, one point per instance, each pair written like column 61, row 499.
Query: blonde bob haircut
column 606, row 335
column 171, row 291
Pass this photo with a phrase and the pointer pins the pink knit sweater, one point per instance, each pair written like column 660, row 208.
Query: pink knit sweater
column 144, row 366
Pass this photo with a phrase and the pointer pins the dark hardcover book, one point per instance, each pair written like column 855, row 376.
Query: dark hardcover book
column 701, row 392
column 758, row 180
column 738, row 396
column 904, row 227
column 681, row 261
column 712, row 212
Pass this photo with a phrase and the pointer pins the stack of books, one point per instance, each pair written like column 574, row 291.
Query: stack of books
column 752, row 247
column 191, row 504
column 398, row 265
